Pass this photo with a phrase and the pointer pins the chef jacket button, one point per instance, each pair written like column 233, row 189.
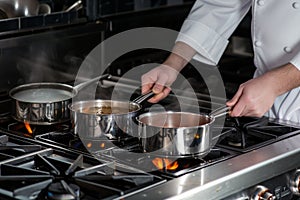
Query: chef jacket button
column 261, row 2
column 287, row 49
column 296, row 5
column 257, row 43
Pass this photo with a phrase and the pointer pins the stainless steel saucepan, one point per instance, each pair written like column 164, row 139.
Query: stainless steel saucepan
column 45, row 103
column 111, row 119
column 178, row 134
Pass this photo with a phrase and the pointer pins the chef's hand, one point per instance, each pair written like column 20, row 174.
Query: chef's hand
column 159, row 80
column 256, row 96
column 253, row 98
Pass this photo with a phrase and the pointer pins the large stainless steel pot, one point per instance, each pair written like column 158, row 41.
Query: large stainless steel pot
column 177, row 134
column 108, row 118
column 45, row 103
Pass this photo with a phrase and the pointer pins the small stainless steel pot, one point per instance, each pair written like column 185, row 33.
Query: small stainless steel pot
column 176, row 134
column 108, row 118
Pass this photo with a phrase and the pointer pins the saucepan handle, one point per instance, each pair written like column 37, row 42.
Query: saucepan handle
column 221, row 111
column 87, row 83
column 143, row 97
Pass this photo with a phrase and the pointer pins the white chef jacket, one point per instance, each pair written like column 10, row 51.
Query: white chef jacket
column 275, row 36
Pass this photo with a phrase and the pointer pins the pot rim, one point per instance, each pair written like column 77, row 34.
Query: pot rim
column 49, row 85
column 211, row 118
column 71, row 107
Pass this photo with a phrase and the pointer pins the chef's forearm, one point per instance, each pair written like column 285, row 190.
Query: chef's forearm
column 284, row 78
column 180, row 56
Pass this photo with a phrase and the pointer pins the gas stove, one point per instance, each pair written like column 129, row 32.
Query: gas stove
column 252, row 156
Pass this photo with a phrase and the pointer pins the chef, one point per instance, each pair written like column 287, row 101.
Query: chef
column 274, row 91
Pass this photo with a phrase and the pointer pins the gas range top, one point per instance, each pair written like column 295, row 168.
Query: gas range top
column 52, row 162
column 31, row 171
column 246, row 134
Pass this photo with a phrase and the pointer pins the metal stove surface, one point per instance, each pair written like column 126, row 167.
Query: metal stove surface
column 235, row 175
column 129, row 151
column 238, row 136
column 31, row 171
column 248, row 152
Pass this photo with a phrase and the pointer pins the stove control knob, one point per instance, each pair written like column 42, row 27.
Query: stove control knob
column 262, row 193
column 295, row 183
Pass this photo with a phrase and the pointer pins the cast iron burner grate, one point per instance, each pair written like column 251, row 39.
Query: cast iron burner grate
column 33, row 130
column 169, row 167
column 11, row 148
column 52, row 175
column 8, row 124
column 245, row 134
column 62, row 139
column 69, row 140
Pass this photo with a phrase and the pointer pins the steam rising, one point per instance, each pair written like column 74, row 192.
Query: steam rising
column 46, row 61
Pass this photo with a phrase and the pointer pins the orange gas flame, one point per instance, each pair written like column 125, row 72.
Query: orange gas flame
column 168, row 164
column 27, row 126
column 102, row 145
column 89, row 145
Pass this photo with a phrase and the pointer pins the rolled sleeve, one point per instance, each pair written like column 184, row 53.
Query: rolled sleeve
column 296, row 61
